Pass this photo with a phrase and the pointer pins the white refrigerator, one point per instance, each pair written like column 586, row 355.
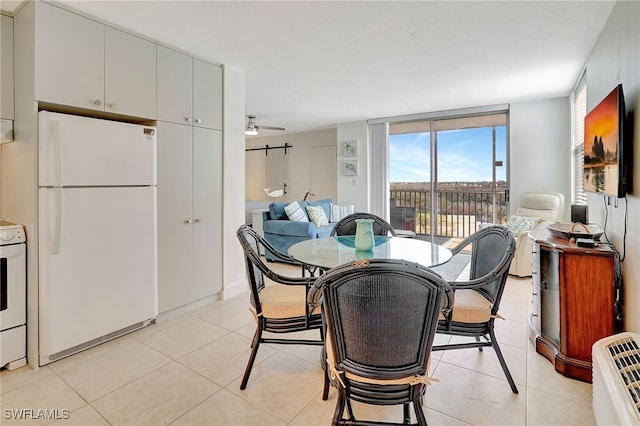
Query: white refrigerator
column 97, row 231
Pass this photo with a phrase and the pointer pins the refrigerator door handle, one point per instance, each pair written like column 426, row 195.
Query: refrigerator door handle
column 54, row 247
column 57, row 152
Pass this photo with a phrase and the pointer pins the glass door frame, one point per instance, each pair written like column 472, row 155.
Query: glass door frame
column 461, row 114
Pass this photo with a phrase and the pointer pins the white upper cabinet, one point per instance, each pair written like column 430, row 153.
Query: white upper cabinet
column 85, row 64
column 174, row 86
column 189, row 90
column 207, row 95
column 130, row 74
column 69, row 58
column 6, row 67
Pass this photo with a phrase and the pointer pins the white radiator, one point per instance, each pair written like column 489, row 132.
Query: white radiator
column 616, row 380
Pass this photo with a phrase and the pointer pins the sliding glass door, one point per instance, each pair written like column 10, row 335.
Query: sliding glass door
column 448, row 175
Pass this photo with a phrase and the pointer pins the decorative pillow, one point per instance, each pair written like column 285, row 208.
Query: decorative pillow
column 317, row 216
column 519, row 224
column 324, row 203
column 338, row 212
column 295, row 212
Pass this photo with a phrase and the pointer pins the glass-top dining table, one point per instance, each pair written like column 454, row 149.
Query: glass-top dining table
column 327, row 253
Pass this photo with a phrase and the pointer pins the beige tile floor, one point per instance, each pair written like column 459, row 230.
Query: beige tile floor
column 186, row 371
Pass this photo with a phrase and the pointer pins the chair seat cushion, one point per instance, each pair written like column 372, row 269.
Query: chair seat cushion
column 284, row 301
column 470, row 307
column 331, row 364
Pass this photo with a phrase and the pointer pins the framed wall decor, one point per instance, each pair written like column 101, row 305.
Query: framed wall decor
column 350, row 167
column 350, row 148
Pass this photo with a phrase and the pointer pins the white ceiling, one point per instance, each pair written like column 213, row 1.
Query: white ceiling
column 312, row 64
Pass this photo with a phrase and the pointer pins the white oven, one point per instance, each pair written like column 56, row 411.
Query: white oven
column 13, row 296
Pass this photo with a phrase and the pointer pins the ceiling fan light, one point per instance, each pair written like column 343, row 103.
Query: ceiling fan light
column 252, row 129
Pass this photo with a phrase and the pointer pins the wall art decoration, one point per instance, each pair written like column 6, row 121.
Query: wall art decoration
column 350, row 168
column 350, row 148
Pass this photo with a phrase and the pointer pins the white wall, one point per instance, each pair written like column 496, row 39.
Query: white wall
column 233, row 175
column 300, row 158
column 540, row 149
column 354, row 189
column 616, row 59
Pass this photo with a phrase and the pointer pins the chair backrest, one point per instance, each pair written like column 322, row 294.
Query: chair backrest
column 492, row 250
column 382, row 316
column 347, row 225
column 547, row 206
column 253, row 244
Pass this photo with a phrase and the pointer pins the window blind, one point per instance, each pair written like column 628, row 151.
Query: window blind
column 579, row 113
column 379, row 194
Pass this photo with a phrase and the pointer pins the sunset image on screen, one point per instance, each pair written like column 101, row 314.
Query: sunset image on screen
column 601, row 133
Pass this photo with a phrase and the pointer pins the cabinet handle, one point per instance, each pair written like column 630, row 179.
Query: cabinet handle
column 187, row 119
column 111, row 105
column 534, row 315
column 188, row 222
column 197, row 220
column 198, row 120
column 97, row 102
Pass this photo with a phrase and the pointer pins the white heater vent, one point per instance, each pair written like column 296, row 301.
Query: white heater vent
column 616, row 380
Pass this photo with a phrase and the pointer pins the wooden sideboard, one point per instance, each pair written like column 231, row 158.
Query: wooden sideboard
column 574, row 301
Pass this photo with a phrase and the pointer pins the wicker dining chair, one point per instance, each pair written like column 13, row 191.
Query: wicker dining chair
column 381, row 317
column 477, row 299
column 347, row 225
column 279, row 306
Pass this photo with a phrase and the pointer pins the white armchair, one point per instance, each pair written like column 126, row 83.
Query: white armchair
column 549, row 208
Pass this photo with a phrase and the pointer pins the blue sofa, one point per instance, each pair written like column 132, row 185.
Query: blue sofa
column 283, row 233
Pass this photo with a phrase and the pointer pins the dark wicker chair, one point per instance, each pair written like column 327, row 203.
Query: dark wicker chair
column 477, row 300
column 347, row 225
column 273, row 307
column 381, row 317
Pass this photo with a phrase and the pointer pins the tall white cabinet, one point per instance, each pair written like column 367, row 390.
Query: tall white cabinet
column 189, row 179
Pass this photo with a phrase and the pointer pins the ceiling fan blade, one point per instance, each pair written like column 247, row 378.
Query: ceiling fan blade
column 270, row 127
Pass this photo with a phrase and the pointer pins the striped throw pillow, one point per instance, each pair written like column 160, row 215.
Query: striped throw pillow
column 338, row 212
column 295, row 212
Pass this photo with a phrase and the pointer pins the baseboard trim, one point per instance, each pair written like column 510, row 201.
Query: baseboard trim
column 234, row 289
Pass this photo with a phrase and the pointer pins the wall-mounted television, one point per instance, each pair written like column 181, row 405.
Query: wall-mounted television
column 605, row 166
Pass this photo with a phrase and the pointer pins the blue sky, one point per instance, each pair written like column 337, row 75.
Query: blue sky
column 463, row 156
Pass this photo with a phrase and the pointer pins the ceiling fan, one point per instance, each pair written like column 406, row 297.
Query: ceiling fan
column 252, row 127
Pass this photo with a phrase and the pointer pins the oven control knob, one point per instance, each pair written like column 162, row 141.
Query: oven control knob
column 7, row 235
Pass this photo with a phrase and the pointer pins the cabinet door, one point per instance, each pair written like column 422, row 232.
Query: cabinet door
column 207, row 95
column 175, row 272
column 207, row 211
column 69, row 58
column 550, row 294
column 6, row 67
column 174, row 86
column 130, row 74
column 588, row 301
